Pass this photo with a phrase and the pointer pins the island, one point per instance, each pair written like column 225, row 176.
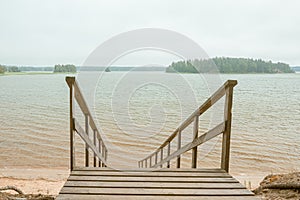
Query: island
column 4, row 69
column 229, row 65
column 65, row 68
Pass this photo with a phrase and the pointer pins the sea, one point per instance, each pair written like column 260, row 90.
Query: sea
column 136, row 111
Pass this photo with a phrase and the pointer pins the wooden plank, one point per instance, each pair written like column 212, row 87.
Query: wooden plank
column 95, row 143
column 154, row 185
column 149, row 174
column 86, row 145
column 195, row 136
column 137, row 197
column 188, row 170
column 152, row 179
column 200, row 140
column 168, row 154
column 178, row 147
column 155, row 191
column 227, row 131
column 161, row 156
column 70, row 82
column 86, row 139
column 143, row 197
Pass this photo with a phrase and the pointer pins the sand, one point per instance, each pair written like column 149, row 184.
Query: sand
column 34, row 180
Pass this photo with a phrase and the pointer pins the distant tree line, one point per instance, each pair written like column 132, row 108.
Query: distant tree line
column 24, row 69
column 64, row 68
column 229, row 65
column 4, row 69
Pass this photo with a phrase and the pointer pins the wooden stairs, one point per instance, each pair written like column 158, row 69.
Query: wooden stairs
column 154, row 178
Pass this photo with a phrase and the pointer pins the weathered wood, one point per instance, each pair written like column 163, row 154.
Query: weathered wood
column 144, row 197
column 227, row 131
column 195, row 135
column 178, row 147
column 99, row 149
column 204, row 107
column 163, row 170
column 169, row 151
column 106, row 183
column 105, row 157
column 95, row 143
column 156, row 192
column 143, row 183
column 70, row 82
column 151, row 174
column 103, row 154
column 85, row 138
column 161, row 157
column 168, row 185
column 86, row 146
column 75, row 94
column 200, row 140
column 228, row 85
column 153, row 179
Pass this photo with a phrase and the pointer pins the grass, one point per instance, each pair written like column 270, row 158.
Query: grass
column 26, row 73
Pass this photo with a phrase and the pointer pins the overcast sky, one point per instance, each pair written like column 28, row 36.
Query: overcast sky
column 41, row 32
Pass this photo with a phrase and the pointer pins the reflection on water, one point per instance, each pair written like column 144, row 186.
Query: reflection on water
column 136, row 118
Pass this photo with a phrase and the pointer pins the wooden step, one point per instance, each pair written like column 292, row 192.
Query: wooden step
column 105, row 183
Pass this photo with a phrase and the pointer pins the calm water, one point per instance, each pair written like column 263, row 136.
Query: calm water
column 136, row 116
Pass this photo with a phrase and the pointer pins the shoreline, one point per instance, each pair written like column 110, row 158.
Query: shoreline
column 47, row 181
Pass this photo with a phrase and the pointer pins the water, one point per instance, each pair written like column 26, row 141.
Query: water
column 265, row 130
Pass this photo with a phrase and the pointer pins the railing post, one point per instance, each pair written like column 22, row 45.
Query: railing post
column 99, row 148
column 155, row 157
column 227, row 132
column 178, row 147
column 103, row 152
column 161, row 156
column 105, row 157
column 169, row 151
column 146, row 164
column 72, row 135
column 150, row 162
column 95, row 143
column 195, row 135
column 86, row 146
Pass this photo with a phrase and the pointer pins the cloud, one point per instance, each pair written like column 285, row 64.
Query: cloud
column 37, row 32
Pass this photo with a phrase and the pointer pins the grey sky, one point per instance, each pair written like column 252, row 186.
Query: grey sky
column 35, row 32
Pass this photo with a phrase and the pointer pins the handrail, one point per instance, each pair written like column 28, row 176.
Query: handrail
column 97, row 144
column 225, row 128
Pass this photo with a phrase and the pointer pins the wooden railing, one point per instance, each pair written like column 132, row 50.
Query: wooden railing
column 224, row 127
column 96, row 145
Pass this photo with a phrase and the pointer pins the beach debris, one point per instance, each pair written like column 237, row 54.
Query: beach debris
column 280, row 186
column 11, row 188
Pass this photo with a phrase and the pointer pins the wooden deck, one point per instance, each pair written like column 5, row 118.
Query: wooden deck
column 104, row 183
column 154, row 179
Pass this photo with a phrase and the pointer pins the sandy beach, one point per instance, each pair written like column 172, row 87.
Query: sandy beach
column 34, row 180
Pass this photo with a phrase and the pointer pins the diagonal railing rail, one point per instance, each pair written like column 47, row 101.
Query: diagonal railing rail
column 96, row 145
column 223, row 128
